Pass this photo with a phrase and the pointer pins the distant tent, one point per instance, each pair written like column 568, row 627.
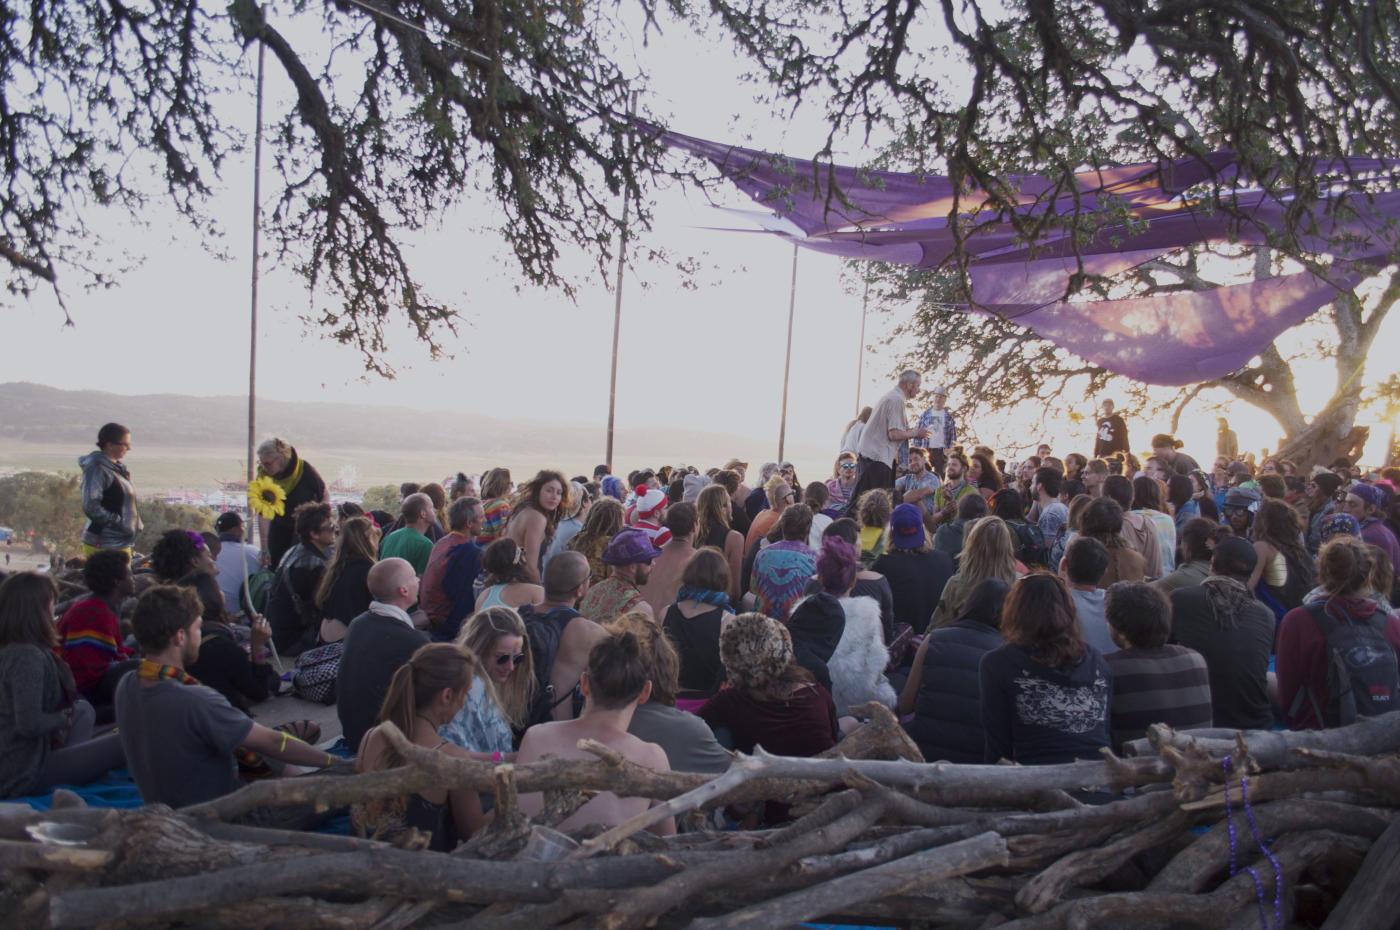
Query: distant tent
column 1174, row 338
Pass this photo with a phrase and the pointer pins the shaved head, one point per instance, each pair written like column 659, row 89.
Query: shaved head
column 564, row 573
column 387, row 576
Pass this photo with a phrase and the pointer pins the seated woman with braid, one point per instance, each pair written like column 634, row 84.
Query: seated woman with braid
column 425, row 694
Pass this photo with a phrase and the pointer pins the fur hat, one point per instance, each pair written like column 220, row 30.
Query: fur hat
column 755, row 650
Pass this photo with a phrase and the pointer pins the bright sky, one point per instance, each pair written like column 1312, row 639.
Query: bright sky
column 711, row 358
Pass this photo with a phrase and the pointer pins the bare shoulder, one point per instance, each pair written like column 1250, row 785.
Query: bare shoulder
column 583, row 629
column 643, row 753
column 540, row 739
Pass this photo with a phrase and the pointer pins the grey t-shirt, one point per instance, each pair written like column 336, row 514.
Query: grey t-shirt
column 1092, row 621
column 889, row 413
column 179, row 740
column 687, row 740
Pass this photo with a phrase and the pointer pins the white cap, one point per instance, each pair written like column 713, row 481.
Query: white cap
column 941, row 390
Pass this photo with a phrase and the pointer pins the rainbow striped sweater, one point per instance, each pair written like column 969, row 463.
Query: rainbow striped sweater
column 90, row 637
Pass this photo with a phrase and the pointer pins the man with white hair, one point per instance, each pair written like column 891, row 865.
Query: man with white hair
column 883, row 436
column 377, row 642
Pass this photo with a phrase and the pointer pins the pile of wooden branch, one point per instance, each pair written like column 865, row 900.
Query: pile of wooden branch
column 1190, row 829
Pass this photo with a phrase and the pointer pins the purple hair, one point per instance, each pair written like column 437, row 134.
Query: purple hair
column 837, row 565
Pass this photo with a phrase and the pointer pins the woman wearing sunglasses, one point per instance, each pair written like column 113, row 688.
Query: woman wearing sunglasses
column 501, row 699
column 841, row 482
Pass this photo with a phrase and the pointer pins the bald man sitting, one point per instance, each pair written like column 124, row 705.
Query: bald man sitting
column 560, row 637
column 377, row 642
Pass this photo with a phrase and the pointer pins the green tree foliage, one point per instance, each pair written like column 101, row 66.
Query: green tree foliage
column 382, row 497
column 158, row 516
column 50, row 505
column 401, row 110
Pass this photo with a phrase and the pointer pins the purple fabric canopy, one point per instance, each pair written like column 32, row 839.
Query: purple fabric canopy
column 1175, row 338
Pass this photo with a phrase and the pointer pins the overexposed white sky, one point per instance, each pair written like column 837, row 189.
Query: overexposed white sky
column 710, row 358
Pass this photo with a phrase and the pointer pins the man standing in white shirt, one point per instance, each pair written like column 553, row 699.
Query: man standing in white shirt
column 882, row 437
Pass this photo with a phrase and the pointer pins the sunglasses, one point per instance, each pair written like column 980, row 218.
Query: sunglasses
column 848, row 467
column 506, row 658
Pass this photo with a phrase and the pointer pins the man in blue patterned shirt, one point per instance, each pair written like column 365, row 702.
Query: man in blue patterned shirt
column 938, row 420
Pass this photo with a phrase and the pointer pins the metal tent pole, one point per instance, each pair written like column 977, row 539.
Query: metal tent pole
column 787, row 359
column 253, row 315
column 617, row 315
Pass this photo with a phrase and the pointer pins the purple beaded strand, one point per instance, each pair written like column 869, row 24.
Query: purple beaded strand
column 1254, row 831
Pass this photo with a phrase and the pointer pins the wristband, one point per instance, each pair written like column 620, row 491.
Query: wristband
column 496, row 756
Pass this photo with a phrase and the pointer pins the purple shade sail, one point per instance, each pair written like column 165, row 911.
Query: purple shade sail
column 1173, row 339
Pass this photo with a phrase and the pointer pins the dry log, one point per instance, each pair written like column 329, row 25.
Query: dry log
column 778, row 778
column 640, row 907
column 51, row 858
column 980, row 852
column 1382, row 774
column 1272, row 786
column 1373, row 899
column 880, row 737
column 1294, row 853
column 1193, row 868
column 282, row 912
column 1048, row 888
column 388, row 872
column 741, row 770
column 1368, row 736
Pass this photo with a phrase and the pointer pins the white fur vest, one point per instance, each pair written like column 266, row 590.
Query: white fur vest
column 857, row 666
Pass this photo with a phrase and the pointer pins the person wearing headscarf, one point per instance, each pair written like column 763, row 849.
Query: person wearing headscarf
column 1223, row 621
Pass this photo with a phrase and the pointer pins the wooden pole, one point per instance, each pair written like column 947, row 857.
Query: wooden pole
column 253, row 314
column 787, row 359
column 617, row 313
column 860, row 346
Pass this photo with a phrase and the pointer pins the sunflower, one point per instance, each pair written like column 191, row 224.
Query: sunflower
column 266, row 498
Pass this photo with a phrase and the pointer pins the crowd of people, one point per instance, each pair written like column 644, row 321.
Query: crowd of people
column 1035, row 611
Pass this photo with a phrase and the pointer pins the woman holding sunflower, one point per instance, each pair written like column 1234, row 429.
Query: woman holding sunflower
column 285, row 481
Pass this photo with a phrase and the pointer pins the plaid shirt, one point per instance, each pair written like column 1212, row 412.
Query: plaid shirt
column 926, row 422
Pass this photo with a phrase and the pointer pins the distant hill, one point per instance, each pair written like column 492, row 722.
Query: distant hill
column 38, row 415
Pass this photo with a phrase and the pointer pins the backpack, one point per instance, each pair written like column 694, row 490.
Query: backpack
column 1362, row 671
column 253, row 598
column 1030, row 546
column 544, row 631
column 316, row 671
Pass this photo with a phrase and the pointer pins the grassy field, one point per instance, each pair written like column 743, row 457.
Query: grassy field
column 157, row 469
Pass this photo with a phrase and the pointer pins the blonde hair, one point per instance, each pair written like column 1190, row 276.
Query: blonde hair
column 479, row 635
column 775, row 489
column 988, row 552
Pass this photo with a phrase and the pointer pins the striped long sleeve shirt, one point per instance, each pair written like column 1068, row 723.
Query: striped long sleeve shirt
column 1168, row 685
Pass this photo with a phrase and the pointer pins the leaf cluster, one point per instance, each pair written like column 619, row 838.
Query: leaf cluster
column 400, row 110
